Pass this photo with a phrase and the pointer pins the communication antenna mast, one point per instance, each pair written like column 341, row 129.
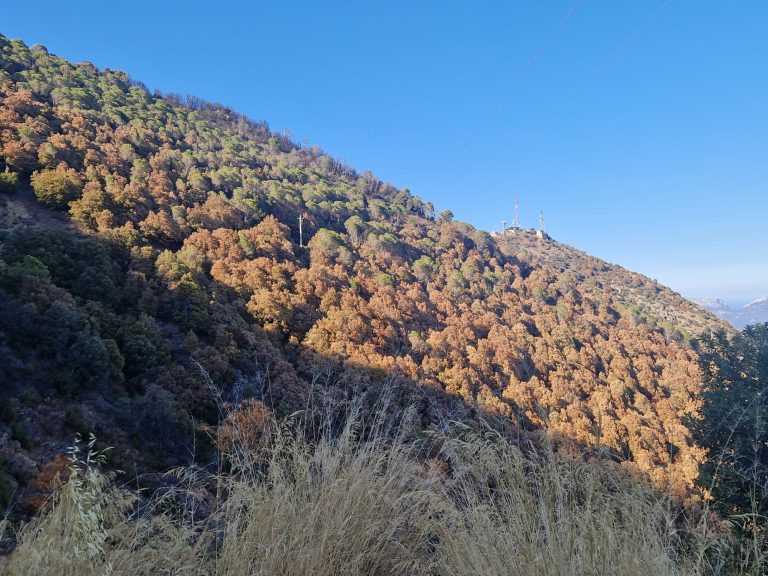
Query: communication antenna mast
column 541, row 221
column 503, row 226
column 517, row 213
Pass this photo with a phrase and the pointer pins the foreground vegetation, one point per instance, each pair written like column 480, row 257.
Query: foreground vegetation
column 374, row 495
column 360, row 488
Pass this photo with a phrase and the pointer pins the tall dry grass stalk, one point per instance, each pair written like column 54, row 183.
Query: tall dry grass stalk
column 378, row 497
column 91, row 528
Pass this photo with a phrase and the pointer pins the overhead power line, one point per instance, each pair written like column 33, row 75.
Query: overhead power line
column 618, row 50
column 589, row 76
column 513, row 85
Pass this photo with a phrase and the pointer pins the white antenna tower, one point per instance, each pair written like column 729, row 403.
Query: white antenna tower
column 517, row 213
column 541, row 221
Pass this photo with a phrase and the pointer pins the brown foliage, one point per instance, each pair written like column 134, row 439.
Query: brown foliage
column 247, row 430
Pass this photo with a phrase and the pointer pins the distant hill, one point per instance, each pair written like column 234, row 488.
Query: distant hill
column 753, row 313
column 153, row 278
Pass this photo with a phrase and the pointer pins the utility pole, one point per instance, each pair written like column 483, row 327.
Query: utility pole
column 301, row 230
column 503, row 226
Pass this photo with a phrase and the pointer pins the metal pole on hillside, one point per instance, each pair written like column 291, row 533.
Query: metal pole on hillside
column 301, row 230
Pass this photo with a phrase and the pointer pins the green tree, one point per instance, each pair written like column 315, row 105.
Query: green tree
column 56, row 188
column 190, row 307
column 734, row 427
column 355, row 227
column 325, row 244
column 456, row 281
column 423, row 267
column 28, row 266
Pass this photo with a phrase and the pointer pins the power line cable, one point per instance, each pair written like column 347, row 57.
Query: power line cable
column 618, row 50
column 513, row 85
column 593, row 73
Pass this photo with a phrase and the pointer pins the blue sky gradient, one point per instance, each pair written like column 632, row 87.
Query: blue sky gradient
column 653, row 157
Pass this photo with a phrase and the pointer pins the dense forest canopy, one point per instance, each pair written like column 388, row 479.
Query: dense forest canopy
column 149, row 240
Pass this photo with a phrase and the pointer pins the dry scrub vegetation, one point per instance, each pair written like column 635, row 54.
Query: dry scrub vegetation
column 373, row 495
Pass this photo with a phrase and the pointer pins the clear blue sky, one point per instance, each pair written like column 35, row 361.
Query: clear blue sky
column 658, row 162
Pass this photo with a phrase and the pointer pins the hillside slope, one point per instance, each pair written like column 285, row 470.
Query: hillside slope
column 163, row 246
column 643, row 298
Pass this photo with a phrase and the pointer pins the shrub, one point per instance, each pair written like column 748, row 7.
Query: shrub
column 56, row 188
column 9, row 182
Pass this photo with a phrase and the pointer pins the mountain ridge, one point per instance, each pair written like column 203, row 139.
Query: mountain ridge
column 753, row 313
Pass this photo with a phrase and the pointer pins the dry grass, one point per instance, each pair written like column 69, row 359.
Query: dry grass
column 90, row 529
column 342, row 507
column 375, row 498
column 550, row 515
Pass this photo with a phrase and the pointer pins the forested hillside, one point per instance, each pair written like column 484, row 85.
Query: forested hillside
column 150, row 240
column 643, row 298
